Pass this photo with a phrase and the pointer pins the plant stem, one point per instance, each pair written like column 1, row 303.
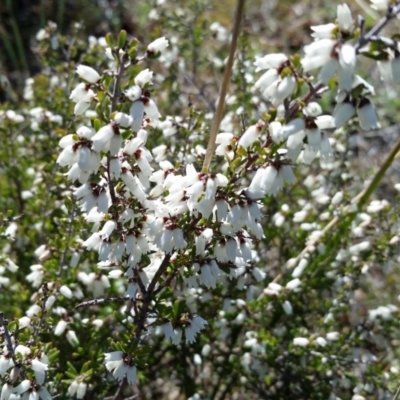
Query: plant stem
column 360, row 200
column 224, row 87
column 7, row 336
column 148, row 295
column 392, row 12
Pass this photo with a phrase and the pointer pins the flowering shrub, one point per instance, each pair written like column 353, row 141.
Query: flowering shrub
column 175, row 248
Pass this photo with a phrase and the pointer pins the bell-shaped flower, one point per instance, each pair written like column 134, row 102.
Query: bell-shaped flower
column 102, row 138
column 280, row 90
column 267, row 79
column 322, row 31
column 151, row 110
column 251, row 134
column 142, row 79
column 78, row 388
column 367, row 115
column 133, row 93
column 158, row 45
column 136, row 112
column 274, row 60
column 345, row 20
column 117, row 363
column 343, row 112
column 88, row 74
column 193, row 327
column 317, row 54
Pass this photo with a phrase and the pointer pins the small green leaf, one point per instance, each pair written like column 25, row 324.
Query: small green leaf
column 179, row 306
column 122, row 39
column 12, row 325
column 72, row 368
column 109, row 40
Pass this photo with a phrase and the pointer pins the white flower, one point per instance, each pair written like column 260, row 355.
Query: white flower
column 78, row 388
column 345, row 20
column 380, row 5
column 82, row 93
column 202, row 240
column 133, row 93
column 287, row 307
column 300, row 341
column 317, row 54
column 321, row 341
column 151, row 110
column 293, row 284
column 206, row 277
column 36, row 276
column 24, row 350
column 322, row 31
column 102, row 138
column 251, row 134
column 24, row 322
column 141, row 79
column 6, row 362
column 195, row 325
column 66, row 291
column 88, row 73
column 280, row 90
column 258, row 274
column 367, row 115
column 40, row 370
column 158, row 45
column 168, row 330
column 42, row 34
column 72, row 338
column 60, row 327
column 136, row 112
column 267, row 79
column 115, row 363
column 274, row 60
column 107, row 229
column 6, row 391
column 332, row 336
column 343, row 113
column 123, row 120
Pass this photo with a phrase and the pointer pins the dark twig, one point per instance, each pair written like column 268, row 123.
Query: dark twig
column 37, row 327
column 148, row 296
column 364, row 39
column 68, row 237
column 8, row 337
column 95, row 302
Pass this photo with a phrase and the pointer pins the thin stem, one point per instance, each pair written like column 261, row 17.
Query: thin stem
column 364, row 39
column 37, row 327
column 148, row 295
column 7, row 336
column 360, row 200
column 397, row 394
column 68, row 238
column 224, row 87
column 95, row 302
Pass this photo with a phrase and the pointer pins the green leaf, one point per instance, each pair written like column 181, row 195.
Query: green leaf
column 97, row 124
column 72, row 368
column 12, row 326
column 109, row 40
column 122, row 39
column 179, row 306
